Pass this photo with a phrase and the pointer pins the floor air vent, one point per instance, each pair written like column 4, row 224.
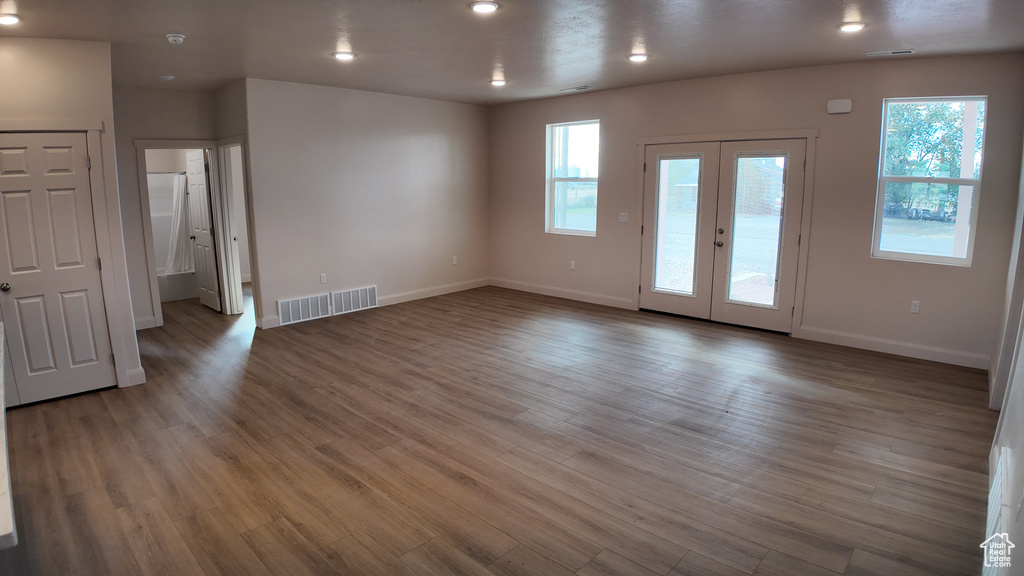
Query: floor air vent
column 352, row 300
column 302, row 309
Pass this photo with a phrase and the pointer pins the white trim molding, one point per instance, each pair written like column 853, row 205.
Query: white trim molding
column 933, row 353
column 579, row 295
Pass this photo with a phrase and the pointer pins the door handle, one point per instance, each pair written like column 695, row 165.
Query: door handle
column 719, row 244
column 191, row 237
column 721, row 230
column 5, row 287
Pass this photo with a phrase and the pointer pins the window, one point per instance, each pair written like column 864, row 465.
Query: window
column 929, row 178
column 573, row 150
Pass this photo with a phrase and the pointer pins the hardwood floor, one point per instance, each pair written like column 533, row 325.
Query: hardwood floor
column 495, row 432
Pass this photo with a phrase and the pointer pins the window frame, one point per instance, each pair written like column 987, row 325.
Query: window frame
column 883, row 180
column 551, row 180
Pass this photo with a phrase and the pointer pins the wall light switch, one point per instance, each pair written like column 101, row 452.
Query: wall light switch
column 623, row 217
column 455, row 260
column 323, row 278
column 572, row 264
column 915, row 307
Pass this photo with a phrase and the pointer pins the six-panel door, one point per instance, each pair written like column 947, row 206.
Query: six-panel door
column 50, row 292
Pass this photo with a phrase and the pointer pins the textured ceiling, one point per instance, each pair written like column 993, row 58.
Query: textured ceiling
column 441, row 49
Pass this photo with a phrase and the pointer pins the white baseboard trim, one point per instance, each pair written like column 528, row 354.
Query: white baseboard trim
column 136, row 376
column 922, row 352
column 268, row 322
column 144, row 323
column 246, row 278
column 431, row 292
column 591, row 297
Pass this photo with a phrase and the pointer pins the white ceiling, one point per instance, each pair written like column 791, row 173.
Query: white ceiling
column 441, row 49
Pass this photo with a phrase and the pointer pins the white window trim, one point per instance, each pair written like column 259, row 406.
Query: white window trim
column 550, row 181
column 876, row 251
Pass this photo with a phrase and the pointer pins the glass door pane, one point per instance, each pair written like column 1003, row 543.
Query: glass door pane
column 675, row 253
column 757, row 230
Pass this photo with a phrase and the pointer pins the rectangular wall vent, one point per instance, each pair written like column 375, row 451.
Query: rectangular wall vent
column 302, row 309
column 352, row 300
column 900, row 52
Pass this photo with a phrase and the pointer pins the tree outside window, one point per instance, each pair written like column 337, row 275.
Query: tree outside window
column 929, row 177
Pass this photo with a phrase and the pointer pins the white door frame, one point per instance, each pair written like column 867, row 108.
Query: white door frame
column 231, row 288
column 227, row 259
column 810, row 135
column 106, row 209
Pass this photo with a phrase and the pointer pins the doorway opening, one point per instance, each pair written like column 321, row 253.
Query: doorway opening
column 195, row 221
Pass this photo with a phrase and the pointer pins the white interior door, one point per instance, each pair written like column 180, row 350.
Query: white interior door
column 232, row 195
column 50, row 290
column 201, row 223
column 680, row 200
column 722, row 229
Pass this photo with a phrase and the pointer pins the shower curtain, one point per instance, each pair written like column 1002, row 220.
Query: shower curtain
column 179, row 254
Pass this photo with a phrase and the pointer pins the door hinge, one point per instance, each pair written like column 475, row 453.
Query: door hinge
column 640, row 289
column 100, row 262
column 645, row 166
column 113, row 359
column 641, row 229
column 792, row 313
column 799, row 238
column 88, row 162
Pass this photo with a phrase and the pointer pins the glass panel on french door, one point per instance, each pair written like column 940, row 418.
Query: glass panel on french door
column 678, row 202
column 756, row 230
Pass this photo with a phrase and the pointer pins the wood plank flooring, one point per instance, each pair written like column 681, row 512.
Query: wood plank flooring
column 494, row 432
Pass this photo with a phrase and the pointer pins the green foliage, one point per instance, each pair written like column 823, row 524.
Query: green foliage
column 925, row 139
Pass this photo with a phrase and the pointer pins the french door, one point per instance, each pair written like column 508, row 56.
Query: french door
column 722, row 230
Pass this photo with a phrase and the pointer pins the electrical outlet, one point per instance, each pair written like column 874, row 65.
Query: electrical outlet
column 323, row 278
column 623, row 217
column 455, row 260
column 572, row 264
column 915, row 307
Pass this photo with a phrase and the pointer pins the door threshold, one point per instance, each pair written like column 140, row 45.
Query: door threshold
column 716, row 322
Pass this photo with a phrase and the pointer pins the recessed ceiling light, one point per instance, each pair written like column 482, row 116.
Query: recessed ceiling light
column 166, row 78
column 175, row 38
column 638, row 57
column 344, row 55
column 484, row 7
column 852, row 27
column 9, row 19
column 498, row 82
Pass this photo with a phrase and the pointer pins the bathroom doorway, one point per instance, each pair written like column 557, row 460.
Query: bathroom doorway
column 196, row 223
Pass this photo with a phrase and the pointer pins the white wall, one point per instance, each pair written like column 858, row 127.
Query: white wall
column 1008, row 384
column 151, row 114
column 57, row 83
column 848, row 297
column 1010, row 435
column 368, row 188
column 166, row 160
